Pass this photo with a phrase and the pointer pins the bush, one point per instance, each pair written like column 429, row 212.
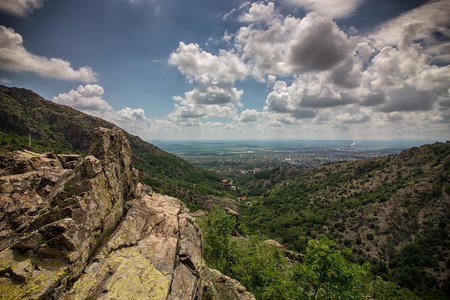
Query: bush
column 326, row 274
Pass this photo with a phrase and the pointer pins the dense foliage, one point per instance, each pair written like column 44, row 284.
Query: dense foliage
column 261, row 268
column 408, row 266
column 12, row 142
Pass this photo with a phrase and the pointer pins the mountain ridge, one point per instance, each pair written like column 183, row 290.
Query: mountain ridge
column 23, row 113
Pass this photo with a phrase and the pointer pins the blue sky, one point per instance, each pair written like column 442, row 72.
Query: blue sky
column 213, row 69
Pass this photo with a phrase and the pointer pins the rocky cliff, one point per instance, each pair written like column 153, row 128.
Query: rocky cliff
column 79, row 228
column 25, row 114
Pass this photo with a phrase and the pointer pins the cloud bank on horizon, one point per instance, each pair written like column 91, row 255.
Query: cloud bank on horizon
column 321, row 80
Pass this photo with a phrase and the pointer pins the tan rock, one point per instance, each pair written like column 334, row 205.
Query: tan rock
column 62, row 214
column 219, row 286
column 161, row 242
column 77, row 228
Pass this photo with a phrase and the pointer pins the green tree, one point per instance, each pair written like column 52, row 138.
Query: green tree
column 326, row 274
column 218, row 227
column 261, row 268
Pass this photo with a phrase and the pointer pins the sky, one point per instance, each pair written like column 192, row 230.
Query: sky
column 241, row 70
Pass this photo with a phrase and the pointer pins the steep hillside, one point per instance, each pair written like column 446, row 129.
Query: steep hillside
column 391, row 211
column 58, row 127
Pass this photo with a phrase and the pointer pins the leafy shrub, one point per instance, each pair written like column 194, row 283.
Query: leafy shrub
column 259, row 267
column 326, row 274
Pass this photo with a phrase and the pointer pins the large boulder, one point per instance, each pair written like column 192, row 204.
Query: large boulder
column 155, row 253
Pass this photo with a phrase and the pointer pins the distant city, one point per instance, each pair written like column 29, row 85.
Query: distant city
column 231, row 158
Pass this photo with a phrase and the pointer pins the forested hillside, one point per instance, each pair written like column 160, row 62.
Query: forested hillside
column 390, row 211
column 59, row 128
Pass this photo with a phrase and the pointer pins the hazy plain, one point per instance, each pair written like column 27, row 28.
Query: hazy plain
column 234, row 157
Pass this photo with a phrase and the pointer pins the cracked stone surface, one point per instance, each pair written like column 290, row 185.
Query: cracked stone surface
column 77, row 228
column 157, row 240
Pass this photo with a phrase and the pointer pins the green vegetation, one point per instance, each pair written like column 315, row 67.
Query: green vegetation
column 168, row 174
column 326, row 272
column 261, row 268
column 408, row 266
column 391, row 212
column 380, row 289
column 12, row 142
column 218, row 227
column 365, row 206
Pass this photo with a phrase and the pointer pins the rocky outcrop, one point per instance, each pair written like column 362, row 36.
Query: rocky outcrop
column 219, row 286
column 155, row 253
column 24, row 114
column 291, row 256
column 77, row 228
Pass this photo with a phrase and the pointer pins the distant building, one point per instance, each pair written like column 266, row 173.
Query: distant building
column 244, row 199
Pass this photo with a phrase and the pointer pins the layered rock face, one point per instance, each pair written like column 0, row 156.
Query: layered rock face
column 77, row 228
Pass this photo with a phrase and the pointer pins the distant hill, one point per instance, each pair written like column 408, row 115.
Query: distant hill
column 63, row 129
column 392, row 211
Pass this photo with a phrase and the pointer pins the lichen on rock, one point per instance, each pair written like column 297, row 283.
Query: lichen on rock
column 77, row 228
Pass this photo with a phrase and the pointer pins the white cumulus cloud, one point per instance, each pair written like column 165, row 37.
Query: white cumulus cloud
column 5, row 81
column 206, row 68
column 393, row 80
column 407, row 74
column 190, row 112
column 318, row 44
column 249, row 115
column 428, row 24
column 288, row 45
column 131, row 114
column 14, row 57
column 215, row 75
column 88, row 97
column 258, row 12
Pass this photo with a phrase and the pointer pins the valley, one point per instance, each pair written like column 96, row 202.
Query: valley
column 234, row 158
column 386, row 201
column 383, row 205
